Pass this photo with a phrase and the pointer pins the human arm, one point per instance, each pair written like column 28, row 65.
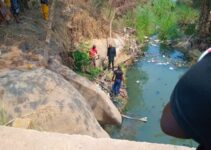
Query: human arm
column 113, row 77
column 108, row 51
column 114, row 52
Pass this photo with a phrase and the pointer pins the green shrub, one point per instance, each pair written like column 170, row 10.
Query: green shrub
column 190, row 29
column 145, row 21
column 81, row 59
column 168, row 28
column 187, row 18
column 81, row 56
column 94, row 72
column 3, row 116
column 83, row 63
column 186, row 15
column 165, row 18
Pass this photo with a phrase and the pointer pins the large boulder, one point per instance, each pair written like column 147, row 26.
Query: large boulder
column 103, row 108
column 19, row 139
column 46, row 101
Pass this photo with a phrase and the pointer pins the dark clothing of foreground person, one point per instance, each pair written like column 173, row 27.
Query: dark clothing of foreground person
column 188, row 114
column 118, row 75
column 15, row 9
column 111, row 53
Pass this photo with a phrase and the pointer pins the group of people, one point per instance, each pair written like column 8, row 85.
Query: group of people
column 9, row 8
column 111, row 54
column 117, row 74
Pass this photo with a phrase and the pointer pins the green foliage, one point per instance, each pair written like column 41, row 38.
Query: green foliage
column 3, row 116
column 186, row 15
column 163, row 17
column 81, row 60
column 81, row 56
column 83, row 63
column 162, row 7
column 168, row 28
column 166, row 19
column 145, row 21
column 94, row 73
column 187, row 18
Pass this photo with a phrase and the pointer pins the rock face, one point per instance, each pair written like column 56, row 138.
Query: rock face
column 103, row 108
column 49, row 101
column 19, row 139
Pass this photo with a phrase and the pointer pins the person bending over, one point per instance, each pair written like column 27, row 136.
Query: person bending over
column 117, row 78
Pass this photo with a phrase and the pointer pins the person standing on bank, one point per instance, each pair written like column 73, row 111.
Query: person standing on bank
column 15, row 9
column 93, row 55
column 111, row 53
column 117, row 78
column 45, row 9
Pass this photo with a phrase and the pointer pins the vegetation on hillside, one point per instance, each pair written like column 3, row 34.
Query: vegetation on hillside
column 166, row 18
column 169, row 19
column 3, row 116
column 82, row 61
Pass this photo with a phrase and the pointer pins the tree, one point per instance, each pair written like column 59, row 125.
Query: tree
column 205, row 19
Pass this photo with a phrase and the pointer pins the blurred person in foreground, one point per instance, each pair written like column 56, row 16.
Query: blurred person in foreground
column 188, row 114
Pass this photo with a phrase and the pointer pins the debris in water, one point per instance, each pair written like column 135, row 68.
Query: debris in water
column 157, row 41
column 157, row 92
column 164, row 56
column 160, row 63
column 171, row 68
column 144, row 119
column 153, row 44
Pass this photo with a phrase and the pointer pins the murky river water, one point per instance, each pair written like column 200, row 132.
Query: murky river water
column 150, row 82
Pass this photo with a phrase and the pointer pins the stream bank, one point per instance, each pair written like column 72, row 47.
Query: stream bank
column 149, row 84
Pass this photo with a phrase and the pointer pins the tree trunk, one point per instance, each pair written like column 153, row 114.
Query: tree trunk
column 205, row 18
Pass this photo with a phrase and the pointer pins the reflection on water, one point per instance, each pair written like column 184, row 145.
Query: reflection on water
column 150, row 82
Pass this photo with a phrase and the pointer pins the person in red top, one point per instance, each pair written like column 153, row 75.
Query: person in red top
column 93, row 55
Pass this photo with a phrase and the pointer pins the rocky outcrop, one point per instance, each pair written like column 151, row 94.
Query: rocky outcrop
column 47, row 102
column 19, row 139
column 102, row 106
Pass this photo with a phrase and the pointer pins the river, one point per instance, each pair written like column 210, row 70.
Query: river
column 150, row 82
